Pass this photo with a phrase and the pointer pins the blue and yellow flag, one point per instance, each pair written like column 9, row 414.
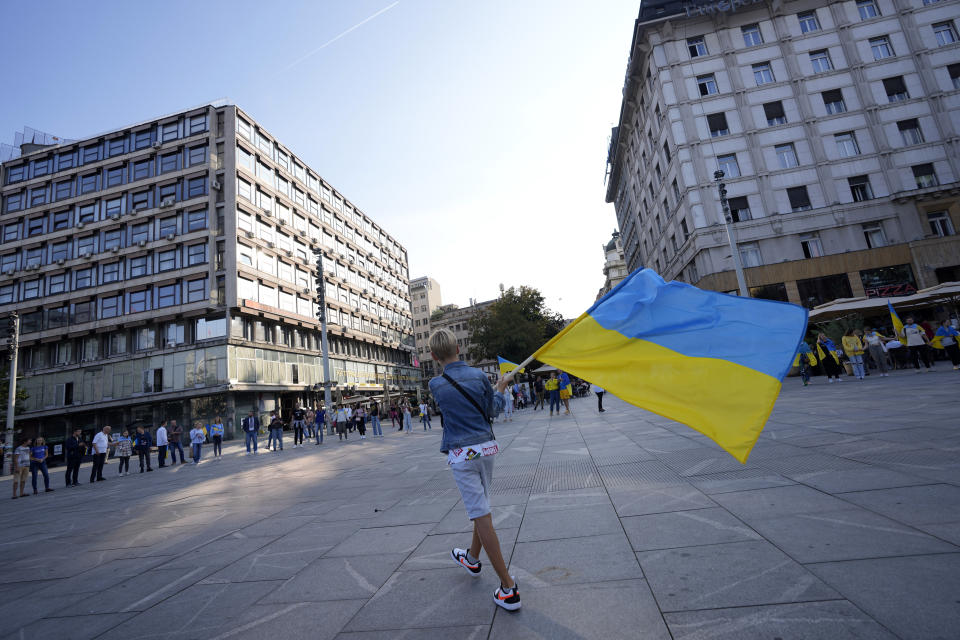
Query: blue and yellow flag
column 897, row 323
column 712, row 361
column 506, row 366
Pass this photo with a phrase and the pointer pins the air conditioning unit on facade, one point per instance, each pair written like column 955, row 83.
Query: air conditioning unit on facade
column 157, row 144
column 61, row 261
column 289, row 253
column 268, row 212
column 115, row 249
column 271, row 245
column 8, row 272
column 215, row 184
column 80, row 225
column 115, row 216
column 142, row 243
column 170, row 236
column 85, row 255
column 306, row 290
column 166, row 202
column 250, row 234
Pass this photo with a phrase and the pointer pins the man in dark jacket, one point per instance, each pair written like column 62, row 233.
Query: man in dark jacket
column 250, row 426
column 276, row 431
column 73, row 448
column 142, row 442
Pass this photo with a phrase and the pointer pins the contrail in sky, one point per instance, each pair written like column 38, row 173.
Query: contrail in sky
column 341, row 34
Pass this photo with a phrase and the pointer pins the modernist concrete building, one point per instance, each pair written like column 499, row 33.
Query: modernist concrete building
column 614, row 265
column 424, row 300
column 837, row 125
column 165, row 270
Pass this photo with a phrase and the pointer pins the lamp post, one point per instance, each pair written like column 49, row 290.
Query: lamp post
column 322, row 314
column 731, row 234
column 13, row 327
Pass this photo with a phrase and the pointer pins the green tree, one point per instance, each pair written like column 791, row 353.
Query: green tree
column 514, row 326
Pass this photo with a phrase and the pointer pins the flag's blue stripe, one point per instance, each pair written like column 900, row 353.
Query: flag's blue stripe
column 759, row 334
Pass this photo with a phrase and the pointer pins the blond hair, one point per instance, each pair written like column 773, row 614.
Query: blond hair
column 443, row 344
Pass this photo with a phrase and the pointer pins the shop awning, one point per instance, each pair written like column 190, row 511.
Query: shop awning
column 922, row 298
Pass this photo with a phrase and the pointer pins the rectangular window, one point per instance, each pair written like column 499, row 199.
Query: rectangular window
column 799, row 199
column 114, row 177
column 84, row 312
column 60, row 251
column 925, row 176
column 112, row 207
column 728, row 164
column 140, row 201
column 197, row 187
column 684, row 229
column 86, row 245
column 197, row 290
column 140, row 233
column 696, row 46
column 90, row 154
column 169, row 162
column 140, row 170
column 750, row 254
column 62, row 190
column 820, row 61
column 774, row 113
column 810, row 242
column 860, row 188
column 762, row 73
column 245, row 190
column 198, row 124
column 808, row 22
column 196, row 220
column 718, row 125
column 61, row 220
column 167, row 192
column 38, row 195
column 142, row 139
column 707, row 84
column 116, row 147
column 787, row 155
column 145, row 338
column 110, row 272
column 32, row 289
column 954, row 71
column 940, row 224
column 89, row 183
column 196, row 254
column 166, row 295
column 881, row 48
column 14, row 202
column 739, row 209
column 945, row 33
column 167, row 260
column 57, row 283
column 244, row 129
column 169, row 131
column 751, row 35
column 34, row 227
column 833, row 101
column 847, row 146
column 6, row 294
column 910, row 131
column 110, row 307
column 196, row 156
column 868, row 9
column 874, row 235
column 138, row 301
column 896, row 89
column 139, row 266
column 16, row 174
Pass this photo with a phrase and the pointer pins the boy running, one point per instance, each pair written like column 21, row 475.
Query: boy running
column 468, row 404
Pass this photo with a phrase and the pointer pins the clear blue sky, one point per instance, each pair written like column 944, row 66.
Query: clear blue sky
column 475, row 132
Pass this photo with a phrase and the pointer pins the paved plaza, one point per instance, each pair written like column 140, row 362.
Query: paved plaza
column 845, row 523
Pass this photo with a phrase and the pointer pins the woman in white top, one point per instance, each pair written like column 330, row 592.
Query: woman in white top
column 508, row 406
column 875, row 342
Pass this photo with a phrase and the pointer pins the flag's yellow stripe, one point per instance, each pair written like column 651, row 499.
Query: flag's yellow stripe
column 727, row 402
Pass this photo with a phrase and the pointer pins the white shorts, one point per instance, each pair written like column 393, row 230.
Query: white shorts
column 474, row 479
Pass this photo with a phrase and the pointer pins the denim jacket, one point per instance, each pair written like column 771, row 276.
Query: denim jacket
column 462, row 423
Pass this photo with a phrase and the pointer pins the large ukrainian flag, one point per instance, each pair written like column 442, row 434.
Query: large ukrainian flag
column 712, row 361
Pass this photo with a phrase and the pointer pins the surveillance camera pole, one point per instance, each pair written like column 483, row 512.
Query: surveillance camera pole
column 14, row 329
column 731, row 235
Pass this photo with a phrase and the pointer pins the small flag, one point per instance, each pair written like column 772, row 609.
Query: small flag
column 506, row 366
column 897, row 323
column 712, row 361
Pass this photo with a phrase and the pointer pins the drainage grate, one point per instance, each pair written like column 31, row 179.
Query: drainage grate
column 625, row 458
column 808, row 464
column 564, row 476
column 635, row 474
column 930, row 458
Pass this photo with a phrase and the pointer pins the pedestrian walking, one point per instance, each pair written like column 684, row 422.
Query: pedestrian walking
column 469, row 404
column 197, row 436
column 21, row 466
column 216, row 434
column 874, row 342
column 599, row 391
column 566, row 392
column 552, row 388
column 407, row 419
column 250, row 426
column 143, row 442
column 163, row 443
column 425, row 415
column 319, row 425
column 124, row 449
column 101, row 445
column 538, row 391
column 341, row 423
column 176, row 442
column 395, row 418
column 507, row 404
column 948, row 338
column 38, row 462
column 853, row 347
column 827, row 356
column 360, row 419
column 299, row 423
column 917, row 344
column 73, row 448
column 276, row 431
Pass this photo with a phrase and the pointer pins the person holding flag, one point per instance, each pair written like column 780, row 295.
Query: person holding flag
column 805, row 360
column 853, row 347
column 917, row 344
column 947, row 336
column 827, row 355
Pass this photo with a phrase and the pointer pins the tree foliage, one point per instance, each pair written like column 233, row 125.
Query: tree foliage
column 514, row 326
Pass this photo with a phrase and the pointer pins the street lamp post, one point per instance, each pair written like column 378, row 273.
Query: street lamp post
column 13, row 326
column 731, row 234
column 322, row 314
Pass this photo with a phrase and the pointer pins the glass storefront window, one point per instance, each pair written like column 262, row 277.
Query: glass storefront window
column 776, row 291
column 816, row 291
column 885, row 282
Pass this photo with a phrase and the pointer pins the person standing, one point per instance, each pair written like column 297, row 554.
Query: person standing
column 299, row 422
column 319, row 425
column 375, row 420
column 197, row 436
column 425, row 415
column 360, row 418
column 827, row 355
column 162, row 444
column 73, row 448
column 22, row 462
column 310, row 416
column 874, row 342
column 948, row 338
column 250, row 426
column 276, row 431
column 508, row 404
column 853, row 347
column 538, row 392
column 552, row 388
column 341, row 423
column 38, row 462
column 124, row 449
column 395, row 418
column 599, row 391
column 101, row 445
column 143, row 443
column 176, row 442
column 566, row 391
column 216, row 434
column 917, row 341
column 407, row 419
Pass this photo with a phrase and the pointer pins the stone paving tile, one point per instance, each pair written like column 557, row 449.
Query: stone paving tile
column 400, row 539
column 685, row 529
column 583, row 560
column 314, row 620
column 778, row 501
column 434, row 551
column 343, row 578
column 476, row 632
column 584, row 521
column 930, row 504
column 658, row 498
column 69, row 628
column 858, row 480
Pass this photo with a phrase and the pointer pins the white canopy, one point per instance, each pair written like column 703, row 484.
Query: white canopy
column 922, row 298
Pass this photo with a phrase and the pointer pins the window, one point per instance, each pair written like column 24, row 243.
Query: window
column 739, row 209
column 810, row 243
column 167, row 192
column 762, row 73
column 140, row 200
column 697, row 47
column 86, row 245
column 112, row 207
column 244, row 129
column 833, row 101
column 718, row 125
column 91, row 153
column 115, row 147
column 940, row 224
column 34, row 227
column 820, row 61
column 728, row 164
column 881, row 48
column 707, row 84
column 60, row 251
column 198, row 124
column 206, row 328
column 167, row 260
column 62, row 190
column 60, row 220
column 139, row 266
column 868, row 9
column 197, row 155
column 110, row 307
column 666, row 152
column 114, row 177
column 896, row 89
column 84, row 312
column 166, row 295
column 169, row 131
column 860, row 188
column 89, row 183
column 910, row 131
column 169, row 162
column 847, row 144
column 750, row 254
column 167, row 227
column 786, row 155
column 6, row 294
column 140, row 170
column 57, row 283
column 32, row 288
column 145, row 338
column 945, row 32
column 954, row 71
column 197, row 187
column 196, row 254
column 41, row 167
column 138, row 301
column 140, row 232
column 774, row 113
column 196, row 290
column 244, row 190
column 83, row 278
column 142, row 139
column 684, row 229
column 751, row 35
column 112, row 239
column 196, row 220
column 808, row 22
column 16, row 174
column 873, row 234
column 110, row 272
column 925, row 176
column 799, row 199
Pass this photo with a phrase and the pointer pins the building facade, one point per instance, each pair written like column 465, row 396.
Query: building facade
column 425, row 298
column 836, row 124
column 457, row 320
column 614, row 265
column 166, row 270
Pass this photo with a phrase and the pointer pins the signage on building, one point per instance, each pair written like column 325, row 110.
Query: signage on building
column 721, row 6
column 57, row 449
column 890, row 290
